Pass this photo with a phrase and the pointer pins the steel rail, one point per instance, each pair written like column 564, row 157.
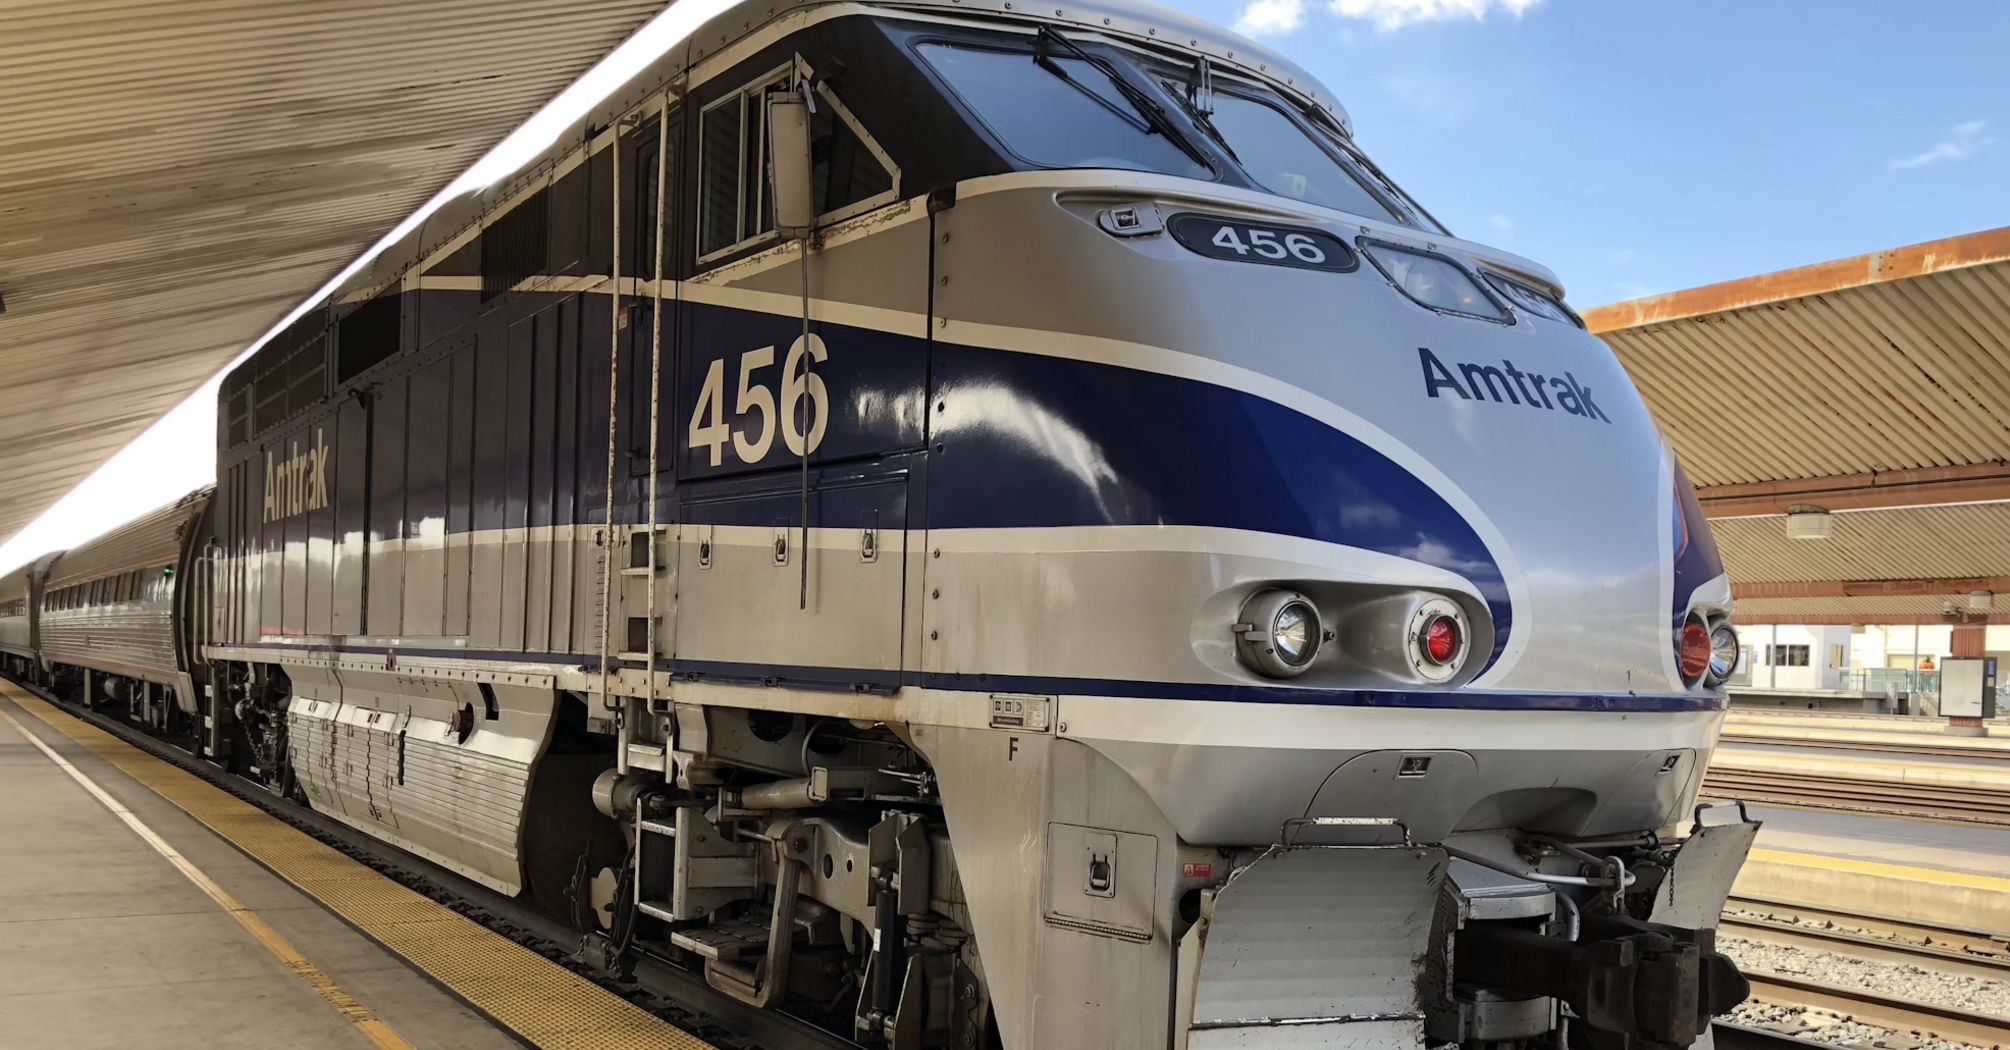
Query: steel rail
column 1728, row 1036
column 1944, row 949
column 1879, row 938
column 1874, row 1008
column 1986, row 808
column 1938, row 749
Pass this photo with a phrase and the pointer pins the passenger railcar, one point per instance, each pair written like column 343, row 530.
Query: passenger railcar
column 20, row 593
column 978, row 524
column 115, row 615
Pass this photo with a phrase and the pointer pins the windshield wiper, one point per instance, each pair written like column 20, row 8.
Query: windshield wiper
column 1151, row 112
column 1200, row 105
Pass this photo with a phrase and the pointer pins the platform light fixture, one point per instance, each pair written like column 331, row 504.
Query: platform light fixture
column 1808, row 522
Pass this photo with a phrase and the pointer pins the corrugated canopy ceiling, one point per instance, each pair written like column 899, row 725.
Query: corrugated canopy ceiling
column 1881, row 362
column 175, row 177
column 1877, row 387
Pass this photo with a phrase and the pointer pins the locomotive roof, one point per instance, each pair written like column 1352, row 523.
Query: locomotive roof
column 1137, row 21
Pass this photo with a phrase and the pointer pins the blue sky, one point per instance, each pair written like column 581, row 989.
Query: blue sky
column 1638, row 147
column 1632, row 147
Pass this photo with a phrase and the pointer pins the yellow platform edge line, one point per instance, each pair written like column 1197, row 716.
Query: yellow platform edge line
column 1873, row 867
column 568, row 1013
column 372, row 1028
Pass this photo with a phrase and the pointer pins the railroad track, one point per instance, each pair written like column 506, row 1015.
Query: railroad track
column 1878, row 938
column 657, row 985
column 1730, row 736
column 1965, row 805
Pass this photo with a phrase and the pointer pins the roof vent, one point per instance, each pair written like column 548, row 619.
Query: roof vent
column 1806, row 522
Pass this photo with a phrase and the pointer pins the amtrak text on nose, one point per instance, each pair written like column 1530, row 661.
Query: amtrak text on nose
column 1483, row 381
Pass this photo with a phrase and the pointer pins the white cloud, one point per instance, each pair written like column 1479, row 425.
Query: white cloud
column 1268, row 17
column 1501, row 222
column 1395, row 14
column 1962, row 143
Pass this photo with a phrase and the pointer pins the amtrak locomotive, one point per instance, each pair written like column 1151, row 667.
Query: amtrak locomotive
column 977, row 525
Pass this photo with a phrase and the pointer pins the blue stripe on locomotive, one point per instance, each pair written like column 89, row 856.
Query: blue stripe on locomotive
column 1696, row 558
column 1025, row 440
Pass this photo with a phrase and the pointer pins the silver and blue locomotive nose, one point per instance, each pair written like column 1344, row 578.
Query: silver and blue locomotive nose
column 1414, row 425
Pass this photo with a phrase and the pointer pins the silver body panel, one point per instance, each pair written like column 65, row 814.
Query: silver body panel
column 135, row 635
column 378, row 751
column 1317, row 947
column 20, row 597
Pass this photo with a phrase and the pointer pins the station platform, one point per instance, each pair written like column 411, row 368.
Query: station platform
column 1943, row 873
column 1899, row 731
column 141, row 905
column 1810, row 759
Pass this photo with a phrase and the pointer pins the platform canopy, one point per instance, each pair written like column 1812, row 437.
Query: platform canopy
column 175, row 177
column 1875, row 389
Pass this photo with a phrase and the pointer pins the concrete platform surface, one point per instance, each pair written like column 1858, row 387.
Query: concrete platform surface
column 1895, row 767
column 1898, row 733
column 1951, row 874
column 105, row 943
column 1948, row 847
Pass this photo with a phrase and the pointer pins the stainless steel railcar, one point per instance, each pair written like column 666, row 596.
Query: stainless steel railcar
column 978, row 524
column 114, row 617
column 20, row 594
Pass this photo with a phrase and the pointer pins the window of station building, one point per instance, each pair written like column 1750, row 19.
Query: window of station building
column 849, row 172
column 1787, row 655
column 1061, row 111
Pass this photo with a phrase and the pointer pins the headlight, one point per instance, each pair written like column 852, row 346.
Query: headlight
column 1279, row 633
column 1723, row 653
column 1532, row 300
column 1434, row 281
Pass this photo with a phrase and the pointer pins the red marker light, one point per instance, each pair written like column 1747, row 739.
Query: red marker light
column 1694, row 652
column 1441, row 640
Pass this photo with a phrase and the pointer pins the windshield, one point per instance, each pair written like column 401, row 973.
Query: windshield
column 1059, row 112
column 1278, row 155
column 1368, row 168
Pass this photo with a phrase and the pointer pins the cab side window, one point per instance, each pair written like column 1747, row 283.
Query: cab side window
column 733, row 205
column 850, row 173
